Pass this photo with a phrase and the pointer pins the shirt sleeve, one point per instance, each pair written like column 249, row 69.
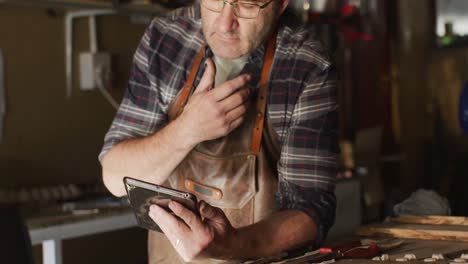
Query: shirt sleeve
column 141, row 111
column 310, row 153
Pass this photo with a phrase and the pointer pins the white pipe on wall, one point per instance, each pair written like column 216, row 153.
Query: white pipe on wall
column 93, row 44
column 69, row 17
column 2, row 95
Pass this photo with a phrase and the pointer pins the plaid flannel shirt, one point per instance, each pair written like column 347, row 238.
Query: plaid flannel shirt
column 301, row 104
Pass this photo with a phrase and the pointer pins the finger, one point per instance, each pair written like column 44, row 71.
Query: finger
column 169, row 224
column 211, row 213
column 230, row 87
column 236, row 113
column 192, row 220
column 236, row 99
column 208, row 78
column 236, row 123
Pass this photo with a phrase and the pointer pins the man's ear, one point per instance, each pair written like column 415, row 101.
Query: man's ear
column 283, row 6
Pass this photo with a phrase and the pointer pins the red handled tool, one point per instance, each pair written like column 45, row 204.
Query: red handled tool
column 353, row 249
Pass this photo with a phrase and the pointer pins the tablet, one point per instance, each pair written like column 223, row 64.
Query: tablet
column 142, row 195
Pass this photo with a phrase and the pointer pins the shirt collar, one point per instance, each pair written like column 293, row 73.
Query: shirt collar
column 253, row 66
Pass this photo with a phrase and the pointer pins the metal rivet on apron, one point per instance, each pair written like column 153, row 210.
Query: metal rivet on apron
column 188, row 184
column 259, row 114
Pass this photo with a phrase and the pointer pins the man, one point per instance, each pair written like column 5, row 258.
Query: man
column 247, row 123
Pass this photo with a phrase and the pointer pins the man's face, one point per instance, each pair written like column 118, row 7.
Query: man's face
column 230, row 37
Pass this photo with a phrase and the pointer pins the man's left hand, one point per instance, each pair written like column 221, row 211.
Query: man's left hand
column 193, row 237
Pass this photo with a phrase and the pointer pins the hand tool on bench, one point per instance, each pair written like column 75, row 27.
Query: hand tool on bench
column 352, row 249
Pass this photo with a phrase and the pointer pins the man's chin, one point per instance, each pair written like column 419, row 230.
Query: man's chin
column 228, row 53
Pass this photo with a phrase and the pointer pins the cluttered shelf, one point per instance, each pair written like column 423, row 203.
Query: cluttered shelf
column 120, row 6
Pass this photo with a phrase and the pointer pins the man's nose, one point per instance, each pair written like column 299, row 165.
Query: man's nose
column 227, row 20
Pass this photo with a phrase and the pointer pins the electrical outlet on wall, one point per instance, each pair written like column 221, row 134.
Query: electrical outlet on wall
column 95, row 70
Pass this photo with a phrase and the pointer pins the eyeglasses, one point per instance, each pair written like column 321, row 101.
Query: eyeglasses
column 242, row 9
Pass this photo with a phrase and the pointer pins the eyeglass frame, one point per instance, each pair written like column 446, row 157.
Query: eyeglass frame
column 234, row 5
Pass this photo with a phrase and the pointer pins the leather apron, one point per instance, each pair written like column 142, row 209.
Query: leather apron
column 237, row 173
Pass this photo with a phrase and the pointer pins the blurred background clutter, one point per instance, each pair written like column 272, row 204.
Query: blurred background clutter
column 64, row 65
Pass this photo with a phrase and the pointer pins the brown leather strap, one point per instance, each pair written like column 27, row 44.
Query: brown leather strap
column 187, row 89
column 261, row 100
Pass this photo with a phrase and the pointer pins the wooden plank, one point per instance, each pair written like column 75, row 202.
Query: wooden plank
column 431, row 220
column 425, row 248
column 426, row 232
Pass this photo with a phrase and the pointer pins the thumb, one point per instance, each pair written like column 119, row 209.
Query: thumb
column 211, row 213
column 208, row 78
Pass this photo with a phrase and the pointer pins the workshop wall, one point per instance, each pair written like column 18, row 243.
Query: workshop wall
column 430, row 80
column 446, row 76
column 446, row 162
column 412, row 51
column 49, row 139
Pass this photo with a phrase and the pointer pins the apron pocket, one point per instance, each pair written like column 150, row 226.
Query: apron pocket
column 233, row 176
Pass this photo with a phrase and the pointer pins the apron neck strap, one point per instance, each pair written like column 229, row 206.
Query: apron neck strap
column 187, row 89
column 261, row 99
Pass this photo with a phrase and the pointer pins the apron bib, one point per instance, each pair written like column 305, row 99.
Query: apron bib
column 236, row 173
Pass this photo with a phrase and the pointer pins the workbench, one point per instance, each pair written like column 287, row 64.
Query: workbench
column 415, row 239
column 422, row 237
column 50, row 231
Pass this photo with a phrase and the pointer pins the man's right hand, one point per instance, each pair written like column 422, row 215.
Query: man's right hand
column 209, row 114
column 213, row 113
